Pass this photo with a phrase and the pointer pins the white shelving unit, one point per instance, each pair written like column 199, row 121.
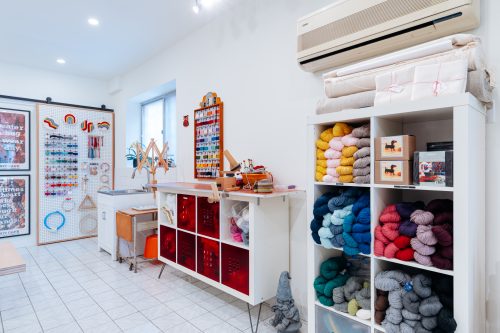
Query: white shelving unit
column 255, row 267
column 459, row 118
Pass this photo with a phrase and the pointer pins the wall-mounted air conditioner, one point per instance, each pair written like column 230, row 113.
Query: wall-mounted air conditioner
column 351, row 30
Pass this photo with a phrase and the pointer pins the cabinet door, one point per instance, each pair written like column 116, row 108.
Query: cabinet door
column 186, row 212
column 106, row 228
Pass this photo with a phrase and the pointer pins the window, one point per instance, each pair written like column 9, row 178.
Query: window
column 159, row 123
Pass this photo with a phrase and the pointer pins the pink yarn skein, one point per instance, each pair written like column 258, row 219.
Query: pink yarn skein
column 349, row 140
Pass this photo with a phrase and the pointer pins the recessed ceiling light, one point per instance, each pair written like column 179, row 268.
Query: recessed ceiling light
column 61, row 61
column 93, row 21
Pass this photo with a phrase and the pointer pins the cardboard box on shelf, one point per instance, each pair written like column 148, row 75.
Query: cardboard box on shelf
column 393, row 172
column 395, row 148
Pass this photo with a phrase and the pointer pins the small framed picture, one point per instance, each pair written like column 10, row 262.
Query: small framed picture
column 14, row 206
column 14, row 140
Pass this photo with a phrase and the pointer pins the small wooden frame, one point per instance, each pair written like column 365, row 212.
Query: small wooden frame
column 209, row 128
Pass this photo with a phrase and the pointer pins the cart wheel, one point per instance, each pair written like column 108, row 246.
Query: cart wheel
column 131, row 267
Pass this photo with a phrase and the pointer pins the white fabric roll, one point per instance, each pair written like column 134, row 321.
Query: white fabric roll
column 448, row 78
column 395, row 86
column 430, row 48
column 354, row 101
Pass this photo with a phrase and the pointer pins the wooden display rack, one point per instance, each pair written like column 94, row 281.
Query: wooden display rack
column 210, row 103
column 458, row 118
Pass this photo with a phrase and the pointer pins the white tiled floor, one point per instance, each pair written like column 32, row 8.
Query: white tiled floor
column 71, row 287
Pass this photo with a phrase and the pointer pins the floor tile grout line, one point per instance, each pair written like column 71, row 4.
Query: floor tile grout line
column 28, row 295
column 48, row 280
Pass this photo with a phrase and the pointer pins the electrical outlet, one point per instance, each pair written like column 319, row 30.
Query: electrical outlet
column 491, row 113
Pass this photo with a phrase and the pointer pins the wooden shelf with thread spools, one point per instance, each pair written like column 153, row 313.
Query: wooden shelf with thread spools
column 210, row 101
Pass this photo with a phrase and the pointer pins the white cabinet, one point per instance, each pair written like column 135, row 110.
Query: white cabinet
column 107, row 206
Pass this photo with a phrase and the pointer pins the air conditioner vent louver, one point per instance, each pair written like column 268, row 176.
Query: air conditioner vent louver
column 364, row 19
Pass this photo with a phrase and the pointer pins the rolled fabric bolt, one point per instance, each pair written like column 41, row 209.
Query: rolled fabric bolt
column 422, row 217
column 332, row 163
column 330, row 179
column 320, row 154
column 336, row 144
column 347, row 161
column 322, row 144
column 341, row 129
column 422, row 259
column 326, row 135
column 362, row 131
column 346, row 179
column 356, row 172
column 364, row 142
column 425, row 235
column 390, row 251
column 407, row 254
column 421, row 248
column 411, row 303
column 380, row 236
column 362, row 162
column 391, row 231
column 349, row 140
column 332, row 154
column 363, row 152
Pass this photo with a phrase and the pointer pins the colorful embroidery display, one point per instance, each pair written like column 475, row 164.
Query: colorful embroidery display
column 70, row 119
column 103, row 125
column 87, row 126
column 50, row 123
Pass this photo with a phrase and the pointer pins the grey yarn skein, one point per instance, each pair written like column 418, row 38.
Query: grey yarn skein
column 429, row 323
column 396, row 299
column 393, row 315
column 408, row 315
column 363, row 297
column 391, row 280
column 411, row 302
column 352, row 286
column 338, row 295
column 342, row 307
column 430, row 307
column 422, row 285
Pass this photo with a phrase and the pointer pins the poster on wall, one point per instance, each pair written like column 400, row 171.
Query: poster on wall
column 14, row 140
column 14, row 206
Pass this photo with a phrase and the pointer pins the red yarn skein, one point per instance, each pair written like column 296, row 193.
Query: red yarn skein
column 405, row 254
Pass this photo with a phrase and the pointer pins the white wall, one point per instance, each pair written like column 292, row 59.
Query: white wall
column 26, row 82
column 248, row 57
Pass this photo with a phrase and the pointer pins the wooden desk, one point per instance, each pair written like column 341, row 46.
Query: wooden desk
column 127, row 227
column 11, row 261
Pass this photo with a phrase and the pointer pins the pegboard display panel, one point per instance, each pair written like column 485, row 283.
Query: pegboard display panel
column 75, row 160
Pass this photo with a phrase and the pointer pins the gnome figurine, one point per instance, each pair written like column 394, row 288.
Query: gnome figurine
column 286, row 315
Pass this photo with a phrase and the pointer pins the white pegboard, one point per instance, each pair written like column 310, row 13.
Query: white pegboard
column 78, row 223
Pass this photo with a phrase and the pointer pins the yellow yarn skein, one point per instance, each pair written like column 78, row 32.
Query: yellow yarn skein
column 346, row 179
column 323, row 145
column 344, row 170
column 349, row 151
column 319, row 176
column 352, row 307
column 346, row 161
column 341, row 129
column 326, row 135
column 321, row 163
column 320, row 154
column 321, row 169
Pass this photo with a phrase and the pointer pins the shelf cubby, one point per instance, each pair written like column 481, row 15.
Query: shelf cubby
column 168, row 243
column 186, row 250
column 208, row 217
column 186, row 210
column 208, row 258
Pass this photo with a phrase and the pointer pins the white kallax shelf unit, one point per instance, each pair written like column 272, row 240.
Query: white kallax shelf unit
column 199, row 242
column 459, row 118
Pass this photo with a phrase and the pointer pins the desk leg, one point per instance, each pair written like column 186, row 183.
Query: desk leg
column 134, row 222
column 250, row 318
column 161, row 272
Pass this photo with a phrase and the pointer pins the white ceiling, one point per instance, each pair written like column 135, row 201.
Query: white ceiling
column 36, row 32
